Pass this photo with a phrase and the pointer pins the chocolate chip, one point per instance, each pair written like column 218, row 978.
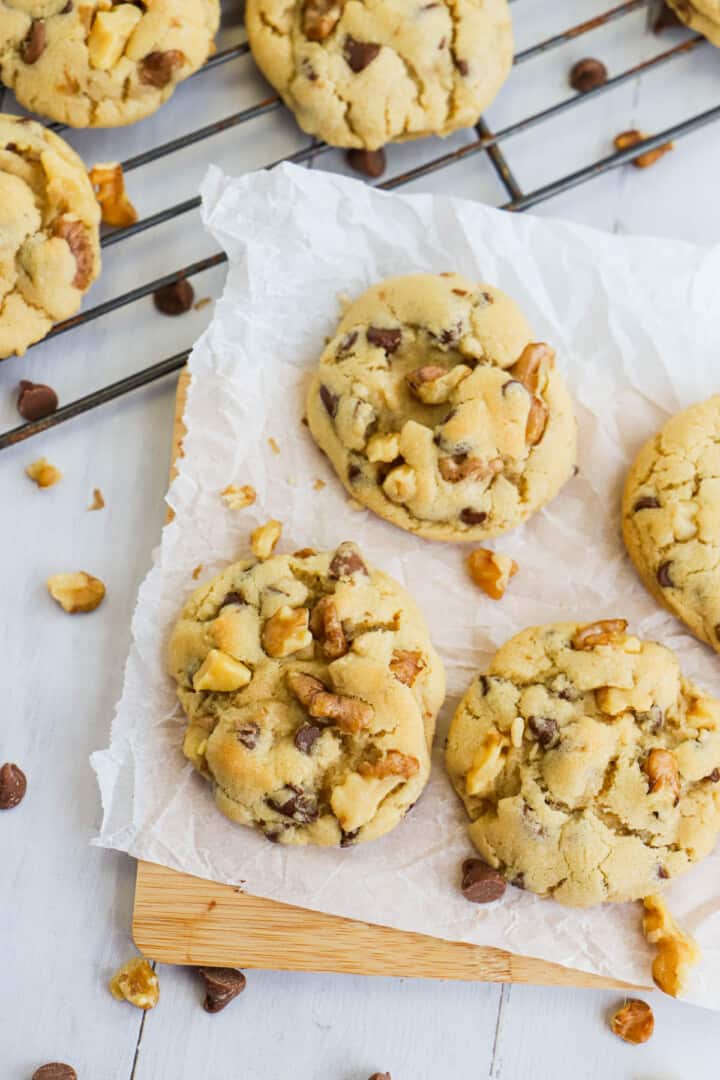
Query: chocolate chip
column 349, row 838
column 360, row 53
column 354, row 472
column 347, row 343
column 156, row 68
column 346, row 561
column 665, row 19
column 35, row 41
column 481, row 884
column 300, row 807
column 174, row 299
column 13, row 785
column 714, row 776
column 647, row 502
column 232, row 598
column 221, row 986
column 389, row 340
column 587, row 75
column 248, row 735
column 472, row 517
column 545, row 730
column 368, row 162
column 662, row 873
column 329, row 400
column 305, row 737
column 385, row 1076
column 462, row 65
column 663, row 575
column 36, row 400
column 55, row 1071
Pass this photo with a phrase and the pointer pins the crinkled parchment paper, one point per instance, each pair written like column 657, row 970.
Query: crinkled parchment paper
column 636, row 328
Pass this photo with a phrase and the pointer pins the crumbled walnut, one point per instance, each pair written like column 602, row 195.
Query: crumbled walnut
column 108, row 179
column 238, row 497
column 604, row 632
column 221, row 672
column 532, row 366
column 662, row 772
column 491, row 571
column 383, row 448
column 264, row 538
column 43, row 473
column 349, row 714
column 487, row 763
column 98, row 502
column 630, row 138
column 406, row 665
column 318, row 484
column 463, row 467
column 400, row 484
column 327, row 628
column 634, row 1022
column 286, row 632
column 77, row 592
column 433, row 384
column 137, row 983
column 677, row 952
column 320, row 17
column 392, row 763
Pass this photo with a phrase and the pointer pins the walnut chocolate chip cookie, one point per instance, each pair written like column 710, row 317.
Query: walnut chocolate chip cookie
column 362, row 74
column 311, row 690
column 98, row 63
column 49, row 221
column 439, row 412
column 588, row 765
column 700, row 15
column 671, row 518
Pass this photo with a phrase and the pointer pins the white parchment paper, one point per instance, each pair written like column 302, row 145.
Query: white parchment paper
column 636, row 327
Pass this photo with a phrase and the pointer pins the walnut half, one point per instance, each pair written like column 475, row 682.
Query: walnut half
column 604, row 632
column 137, row 983
column 348, row 713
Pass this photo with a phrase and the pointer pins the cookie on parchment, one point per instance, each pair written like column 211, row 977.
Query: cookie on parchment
column 700, row 15
column 97, row 63
column 671, row 517
column 439, row 412
column 588, row 765
column 362, row 73
column 311, row 690
column 49, row 220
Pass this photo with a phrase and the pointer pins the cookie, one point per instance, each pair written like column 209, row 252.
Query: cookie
column 588, row 765
column 700, row 15
column 99, row 63
column 360, row 74
column 671, row 518
column 49, row 241
column 311, row 690
column 439, row 412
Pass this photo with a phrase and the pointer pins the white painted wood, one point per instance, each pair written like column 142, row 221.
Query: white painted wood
column 64, row 907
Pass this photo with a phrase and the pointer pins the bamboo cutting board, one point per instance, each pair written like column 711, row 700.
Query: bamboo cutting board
column 179, row 919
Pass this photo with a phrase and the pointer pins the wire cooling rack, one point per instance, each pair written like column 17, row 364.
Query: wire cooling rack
column 485, row 142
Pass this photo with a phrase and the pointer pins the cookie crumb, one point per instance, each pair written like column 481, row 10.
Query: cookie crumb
column 273, row 445
column 236, row 498
column 98, row 502
column 491, row 571
column 630, row 138
column 197, row 571
column 42, row 473
column 677, row 952
column 108, row 182
column 319, row 484
column 264, row 539
column 202, row 302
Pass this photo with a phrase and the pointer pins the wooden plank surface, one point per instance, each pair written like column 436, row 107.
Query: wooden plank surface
column 180, row 919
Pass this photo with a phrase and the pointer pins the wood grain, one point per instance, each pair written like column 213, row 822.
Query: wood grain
column 180, row 919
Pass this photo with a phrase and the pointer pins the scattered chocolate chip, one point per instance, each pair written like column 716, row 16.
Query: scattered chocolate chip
column 481, row 884
column 347, row 343
column 662, row 873
column 35, row 41
column 329, row 400
column 221, row 986
column 36, row 400
column 666, row 19
column 587, row 75
column 472, row 517
column 55, row 1071
column 714, row 776
column 13, row 785
column 389, row 340
column 300, row 807
column 462, row 65
column 545, row 730
column 248, row 735
column 663, row 575
column 156, row 68
column 346, row 561
column 174, row 299
column 647, row 502
column 305, row 737
column 232, row 598
column 368, row 162
column 360, row 53
column 349, row 838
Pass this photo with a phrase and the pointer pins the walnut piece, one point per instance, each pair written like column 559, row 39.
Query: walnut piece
column 392, row 763
column 107, row 179
column 43, row 473
column 634, row 1022
column 604, row 632
column 487, row 763
column 264, row 538
column 383, row 447
column 433, row 384
column 109, row 35
column 77, row 238
column 677, row 952
column 137, row 983
column 662, row 772
column 98, row 502
column 536, row 422
column 400, row 484
column 327, row 628
column 238, row 497
column 532, row 366
column 287, row 631
column 221, row 672
column 406, row 665
column 463, row 467
column 76, row 593
column 320, row 17
column 348, row 713
column 491, row 571
column 631, row 138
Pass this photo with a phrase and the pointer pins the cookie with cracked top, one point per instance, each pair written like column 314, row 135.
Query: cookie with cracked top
column 439, row 412
column 362, row 74
column 311, row 690
column 671, row 517
column 102, row 64
column 588, row 764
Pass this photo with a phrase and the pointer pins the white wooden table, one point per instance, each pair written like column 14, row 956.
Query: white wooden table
column 64, row 906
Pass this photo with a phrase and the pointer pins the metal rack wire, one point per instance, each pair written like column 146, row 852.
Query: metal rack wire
column 486, row 142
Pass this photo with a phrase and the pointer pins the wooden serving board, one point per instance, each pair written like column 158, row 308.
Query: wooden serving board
column 180, row 919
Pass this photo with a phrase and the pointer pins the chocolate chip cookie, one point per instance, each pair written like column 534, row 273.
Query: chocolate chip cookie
column 700, row 15
column 49, row 241
column 311, row 690
column 439, row 411
column 588, row 765
column 362, row 73
column 100, row 63
column 671, row 518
